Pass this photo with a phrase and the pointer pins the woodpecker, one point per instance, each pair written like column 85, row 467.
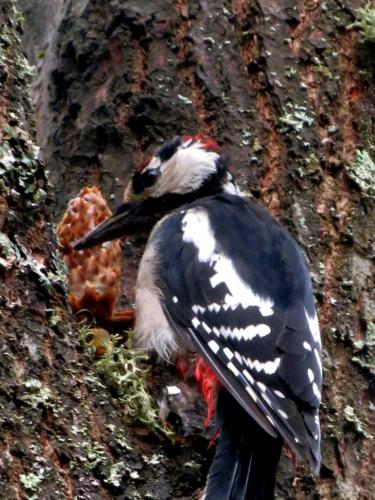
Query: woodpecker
column 220, row 277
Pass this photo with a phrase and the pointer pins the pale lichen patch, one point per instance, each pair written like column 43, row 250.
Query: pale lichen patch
column 362, row 172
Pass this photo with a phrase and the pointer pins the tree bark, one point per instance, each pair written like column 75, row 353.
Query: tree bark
column 288, row 90
column 64, row 431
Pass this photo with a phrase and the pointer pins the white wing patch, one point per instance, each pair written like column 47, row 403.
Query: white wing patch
column 195, row 322
column 196, row 229
column 316, row 391
column 307, row 346
column 314, row 327
column 318, row 360
column 269, row 367
column 247, row 333
column 213, row 345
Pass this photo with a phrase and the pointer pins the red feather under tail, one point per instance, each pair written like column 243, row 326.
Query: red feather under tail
column 209, row 386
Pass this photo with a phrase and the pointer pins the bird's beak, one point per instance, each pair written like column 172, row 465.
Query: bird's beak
column 129, row 218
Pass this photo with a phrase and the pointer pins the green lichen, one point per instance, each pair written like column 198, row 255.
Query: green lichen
column 31, row 483
column 115, row 474
column 36, row 268
column 290, row 72
column 365, row 350
column 95, row 454
column 365, row 22
column 8, row 249
column 185, row 99
column 119, row 437
column 36, row 395
column 352, row 418
column 362, row 172
column 38, row 472
column 54, row 317
column 308, row 165
column 321, row 68
column 58, row 272
column 20, row 170
column 22, row 175
column 295, row 118
column 369, row 340
column 246, row 135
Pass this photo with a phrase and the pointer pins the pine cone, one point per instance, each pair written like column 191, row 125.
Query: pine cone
column 94, row 273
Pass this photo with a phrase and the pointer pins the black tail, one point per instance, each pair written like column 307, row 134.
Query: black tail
column 246, row 457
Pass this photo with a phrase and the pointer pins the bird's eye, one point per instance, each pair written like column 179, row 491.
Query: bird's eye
column 143, row 180
column 149, row 177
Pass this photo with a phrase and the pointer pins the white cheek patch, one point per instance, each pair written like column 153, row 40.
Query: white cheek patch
column 186, row 170
column 196, row 229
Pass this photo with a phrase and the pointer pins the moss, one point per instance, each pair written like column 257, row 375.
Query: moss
column 120, row 368
column 365, row 22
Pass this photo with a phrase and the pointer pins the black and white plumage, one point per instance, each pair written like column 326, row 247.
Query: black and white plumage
column 222, row 278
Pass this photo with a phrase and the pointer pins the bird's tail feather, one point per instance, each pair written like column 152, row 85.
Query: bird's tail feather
column 246, row 457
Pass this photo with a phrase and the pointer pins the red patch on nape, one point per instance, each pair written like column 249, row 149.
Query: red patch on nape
column 208, row 143
column 209, row 386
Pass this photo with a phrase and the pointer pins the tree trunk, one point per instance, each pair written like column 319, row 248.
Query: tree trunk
column 288, row 89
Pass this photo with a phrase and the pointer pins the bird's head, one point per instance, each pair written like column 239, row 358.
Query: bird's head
column 181, row 171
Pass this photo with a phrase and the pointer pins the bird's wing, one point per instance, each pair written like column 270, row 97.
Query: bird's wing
column 243, row 297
